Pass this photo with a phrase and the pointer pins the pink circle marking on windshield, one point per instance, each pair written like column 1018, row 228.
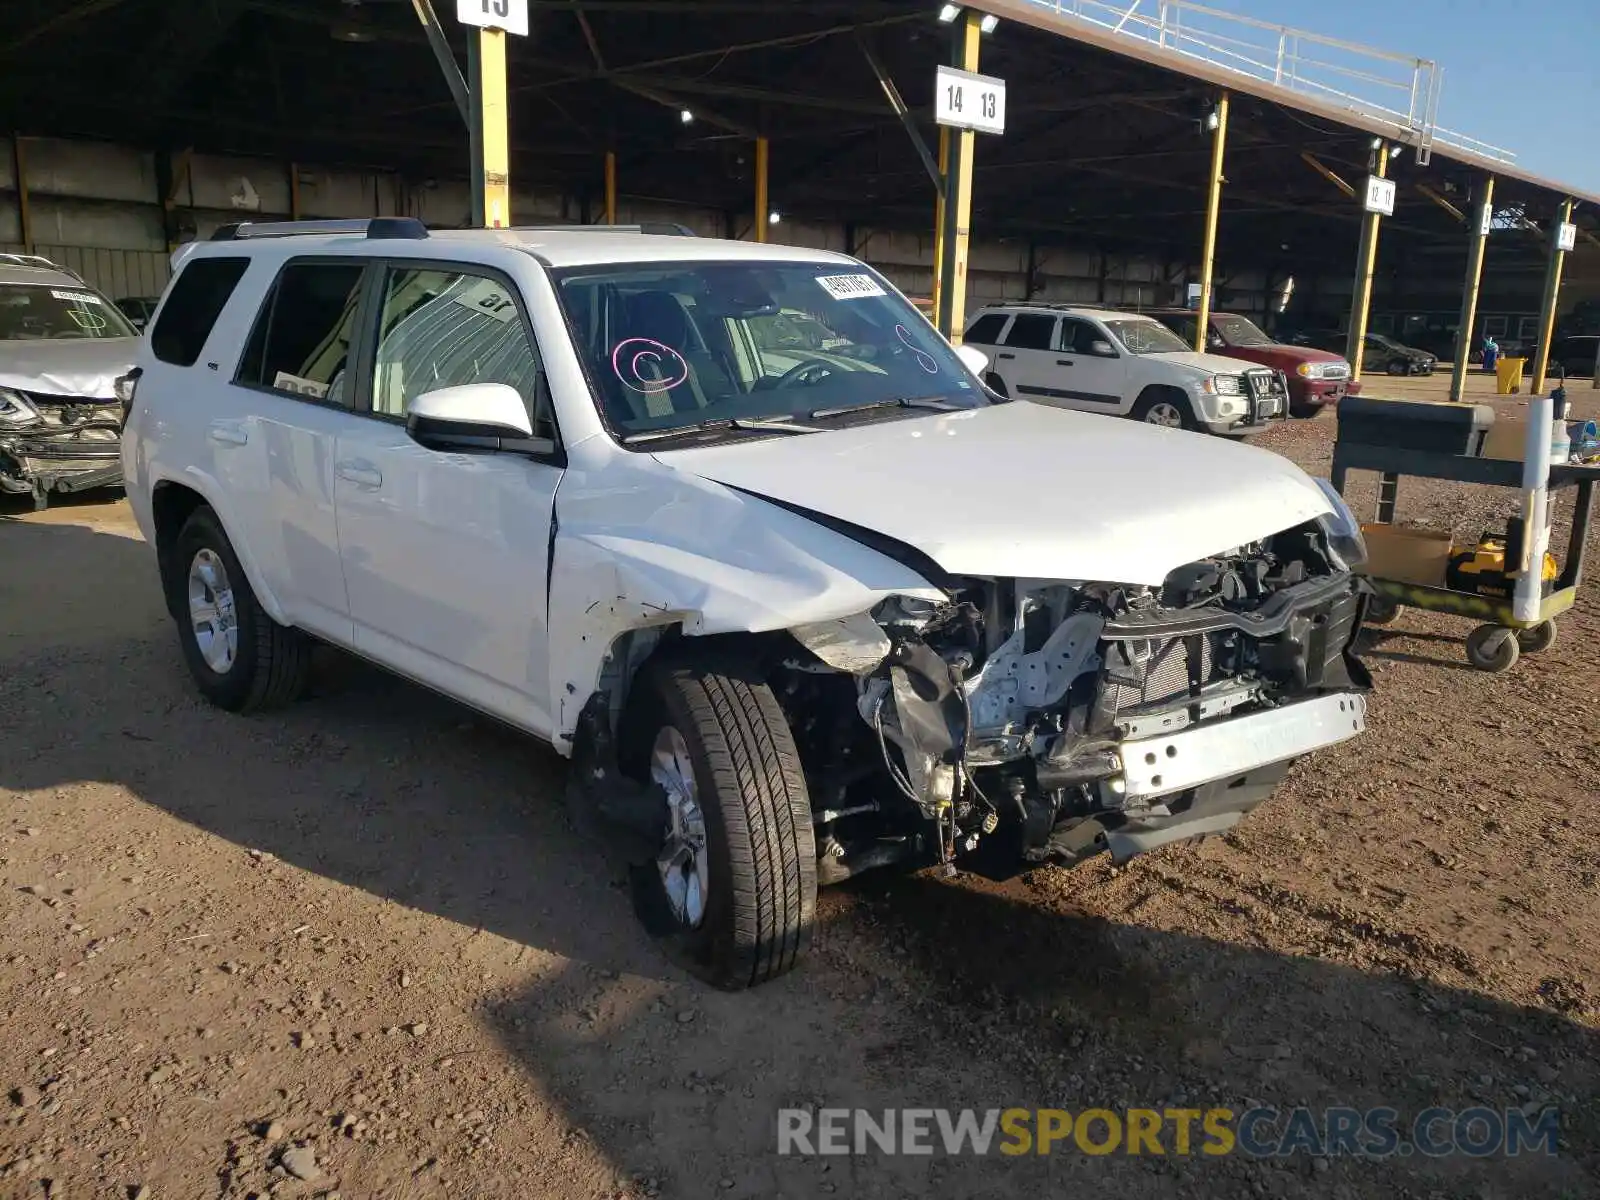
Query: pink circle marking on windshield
column 648, row 366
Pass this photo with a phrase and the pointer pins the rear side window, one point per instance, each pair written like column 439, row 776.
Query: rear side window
column 301, row 341
column 1032, row 331
column 986, row 329
column 193, row 305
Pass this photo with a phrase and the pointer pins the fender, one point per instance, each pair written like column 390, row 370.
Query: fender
column 679, row 550
column 213, row 494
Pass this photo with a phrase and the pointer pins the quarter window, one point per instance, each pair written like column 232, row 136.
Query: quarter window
column 442, row 328
column 986, row 329
column 301, row 341
column 1032, row 331
column 198, row 295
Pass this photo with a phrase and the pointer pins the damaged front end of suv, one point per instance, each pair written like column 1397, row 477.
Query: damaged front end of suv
column 58, row 443
column 1021, row 722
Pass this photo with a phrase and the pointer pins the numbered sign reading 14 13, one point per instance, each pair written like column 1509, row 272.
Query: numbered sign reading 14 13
column 963, row 100
column 510, row 15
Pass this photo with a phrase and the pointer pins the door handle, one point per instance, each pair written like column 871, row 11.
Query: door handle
column 228, row 435
column 1005, row 355
column 362, row 474
column 1064, row 362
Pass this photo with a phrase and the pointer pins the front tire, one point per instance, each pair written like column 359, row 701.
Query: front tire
column 1170, row 409
column 732, row 892
column 1493, row 648
column 241, row 659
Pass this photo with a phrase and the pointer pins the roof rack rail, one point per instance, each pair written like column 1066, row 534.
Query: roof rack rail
column 408, row 228
column 659, row 228
column 40, row 261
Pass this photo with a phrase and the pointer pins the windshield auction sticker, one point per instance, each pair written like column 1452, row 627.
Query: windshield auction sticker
column 77, row 297
column 850, row 287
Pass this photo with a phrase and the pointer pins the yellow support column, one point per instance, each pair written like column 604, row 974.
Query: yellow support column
column 938, row 218
column 611, row 187
column 1552, row 297
column 763, row 151
column 957, row 222
column 19, row 167
column 1366, row 265
column 1208, row 260
column 1484, row 214
column 492, row 104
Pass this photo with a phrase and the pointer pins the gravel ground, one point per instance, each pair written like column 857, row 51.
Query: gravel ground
column 354, row 949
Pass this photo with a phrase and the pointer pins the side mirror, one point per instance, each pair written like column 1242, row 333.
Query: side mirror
column 1215, row 341
column 474, row 416
column 973, row 359
column 1101, row 348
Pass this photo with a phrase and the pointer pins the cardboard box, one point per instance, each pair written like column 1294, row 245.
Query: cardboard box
column 1507, row 438
column 1405, row 554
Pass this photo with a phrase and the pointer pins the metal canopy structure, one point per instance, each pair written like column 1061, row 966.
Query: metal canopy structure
column 1105, row 146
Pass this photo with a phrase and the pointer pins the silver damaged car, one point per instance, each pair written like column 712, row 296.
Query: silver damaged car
column 62, row 347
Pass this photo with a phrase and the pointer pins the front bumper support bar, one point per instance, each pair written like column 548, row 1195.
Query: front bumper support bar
column 1162, row 765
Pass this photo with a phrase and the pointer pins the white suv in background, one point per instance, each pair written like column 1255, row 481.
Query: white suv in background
column 717, row 520
column 1121, row 363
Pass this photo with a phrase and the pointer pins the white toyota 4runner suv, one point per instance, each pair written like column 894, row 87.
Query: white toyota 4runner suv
column 732, row 527
column 1100, row 360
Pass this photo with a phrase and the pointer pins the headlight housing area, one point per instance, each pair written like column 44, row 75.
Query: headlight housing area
column 1223, row 385
column 1307, row 371
column 16, row 410
column 1342, row 528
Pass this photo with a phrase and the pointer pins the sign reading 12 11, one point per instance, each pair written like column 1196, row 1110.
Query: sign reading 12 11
column 963, row 100
column 509, row 15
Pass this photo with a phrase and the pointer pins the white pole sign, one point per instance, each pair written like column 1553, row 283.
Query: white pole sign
column 1566, row 236
column 1485, row 219
column 963, row 100
column 509, row 15
column 1380, row 196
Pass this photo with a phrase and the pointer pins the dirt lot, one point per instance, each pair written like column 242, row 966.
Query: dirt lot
column 358, row 939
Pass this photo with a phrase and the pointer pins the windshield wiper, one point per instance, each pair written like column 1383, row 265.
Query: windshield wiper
column 933, row 402
column 755, row 424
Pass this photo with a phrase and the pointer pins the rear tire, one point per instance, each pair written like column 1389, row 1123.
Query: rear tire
column 241, row 659
column 738, row 911
column 1166, row 407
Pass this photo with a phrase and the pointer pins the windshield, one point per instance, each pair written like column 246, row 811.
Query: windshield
column 672, row 345
column 1378, row 339
column 1240, row 331
column 1145, row 336
column 32, row 312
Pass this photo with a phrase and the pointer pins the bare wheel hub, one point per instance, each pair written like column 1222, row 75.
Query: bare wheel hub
column 683, row 860
column 1164, row 412
column 211, row 612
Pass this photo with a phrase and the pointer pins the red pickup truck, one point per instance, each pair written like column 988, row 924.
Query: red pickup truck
column 1317, row 378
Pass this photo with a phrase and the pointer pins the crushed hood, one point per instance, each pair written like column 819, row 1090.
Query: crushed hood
column 79, row 367
column 1025, row 490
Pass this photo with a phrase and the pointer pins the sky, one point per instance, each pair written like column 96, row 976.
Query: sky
column 1522, row 76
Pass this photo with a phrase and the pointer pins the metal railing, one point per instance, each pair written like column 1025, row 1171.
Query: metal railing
column 1399, row 90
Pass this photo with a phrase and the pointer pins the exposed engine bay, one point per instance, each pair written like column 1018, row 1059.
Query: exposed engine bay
column 1022, row 721
column 58, row 443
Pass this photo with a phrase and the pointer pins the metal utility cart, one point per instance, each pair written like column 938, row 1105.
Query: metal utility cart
column 1515, row 625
